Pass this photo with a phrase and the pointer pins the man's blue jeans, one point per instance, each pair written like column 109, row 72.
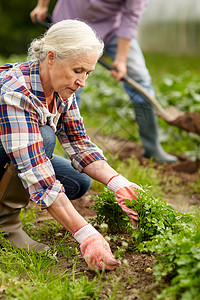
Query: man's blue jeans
column 76, row 184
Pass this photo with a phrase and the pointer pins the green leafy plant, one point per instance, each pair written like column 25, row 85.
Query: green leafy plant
column 121, row 250
column 156, row 216
column 108, row 211
column 181, row 91
column 178, row 257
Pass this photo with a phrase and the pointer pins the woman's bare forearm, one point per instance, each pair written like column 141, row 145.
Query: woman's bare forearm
column 64, row 212
column 100, row 170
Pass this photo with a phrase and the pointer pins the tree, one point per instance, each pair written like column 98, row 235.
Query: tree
column 16, row 28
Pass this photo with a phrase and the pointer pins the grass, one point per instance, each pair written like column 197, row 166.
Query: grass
column 161, row 64
column 38, row 274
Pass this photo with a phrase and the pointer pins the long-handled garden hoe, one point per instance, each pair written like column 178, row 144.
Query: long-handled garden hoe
column 187, row 121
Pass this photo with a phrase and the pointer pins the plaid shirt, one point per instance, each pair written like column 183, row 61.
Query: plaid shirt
column 23, row 108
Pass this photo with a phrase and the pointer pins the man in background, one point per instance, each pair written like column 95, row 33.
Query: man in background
column 116, row 22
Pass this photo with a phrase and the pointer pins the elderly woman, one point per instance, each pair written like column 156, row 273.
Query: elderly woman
column 38, row 103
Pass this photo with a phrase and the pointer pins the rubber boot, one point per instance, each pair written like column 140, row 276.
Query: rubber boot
column 9, row 213
column 10, row 224
column 148, row 130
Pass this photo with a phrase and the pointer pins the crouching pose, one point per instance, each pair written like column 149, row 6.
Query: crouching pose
column 37, row 104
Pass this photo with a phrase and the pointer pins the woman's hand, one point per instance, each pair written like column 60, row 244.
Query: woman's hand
column 95, row 249
column 124, row 190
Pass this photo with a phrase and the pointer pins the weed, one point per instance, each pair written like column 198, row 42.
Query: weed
column 69, row 250
column 178, row 256
column 156, row 216
column 108, row 211
column 57, row 289
column 121, row 250
column 40, row 275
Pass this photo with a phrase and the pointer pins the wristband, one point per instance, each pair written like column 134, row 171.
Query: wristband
column 117, row 182
column 112, row 178
column 83, row 233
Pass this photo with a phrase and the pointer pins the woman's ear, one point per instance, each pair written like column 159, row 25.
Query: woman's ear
column 51, row 57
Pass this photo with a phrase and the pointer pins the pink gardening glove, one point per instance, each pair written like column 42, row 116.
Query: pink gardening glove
column 124, row 190
column 95, row 249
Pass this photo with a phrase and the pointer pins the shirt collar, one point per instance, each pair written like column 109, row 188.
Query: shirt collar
column 36, row 84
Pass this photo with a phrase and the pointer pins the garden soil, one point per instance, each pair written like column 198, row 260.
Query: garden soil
column 135, row 278
column 189, row 122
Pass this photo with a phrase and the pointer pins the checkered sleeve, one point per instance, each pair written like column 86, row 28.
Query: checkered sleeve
column 73, row 138
column 22, row 141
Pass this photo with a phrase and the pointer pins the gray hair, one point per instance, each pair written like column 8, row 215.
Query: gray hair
column 66, row 38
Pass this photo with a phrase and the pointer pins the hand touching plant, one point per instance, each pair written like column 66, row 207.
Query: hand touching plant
column 124, row 189
column 95, row 249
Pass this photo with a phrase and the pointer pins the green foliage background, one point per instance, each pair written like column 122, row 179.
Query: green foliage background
column 16, row 28
column 105, row 106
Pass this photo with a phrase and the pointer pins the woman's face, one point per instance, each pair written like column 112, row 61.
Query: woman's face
column 66, row 76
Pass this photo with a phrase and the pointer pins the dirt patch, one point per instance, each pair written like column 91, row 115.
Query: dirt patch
column 133, row 280
column 127, row 149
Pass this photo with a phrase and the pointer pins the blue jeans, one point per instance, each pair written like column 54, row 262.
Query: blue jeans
column 76, row 184
column 136, row 69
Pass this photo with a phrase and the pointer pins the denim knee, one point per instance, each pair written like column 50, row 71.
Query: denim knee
column 84, row 185
column 49, row 139
column 77, row 188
